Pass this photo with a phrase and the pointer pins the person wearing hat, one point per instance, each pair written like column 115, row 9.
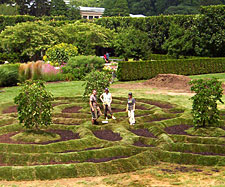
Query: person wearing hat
column 131, row 108
column 106, row 98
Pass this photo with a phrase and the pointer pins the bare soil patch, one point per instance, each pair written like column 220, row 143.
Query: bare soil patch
column 140, row 144
column 65, row 135
column 177, row 129
column 143, row 132
column 107, row 135
column 11, row 109
column 74, row 109
column 104, row 159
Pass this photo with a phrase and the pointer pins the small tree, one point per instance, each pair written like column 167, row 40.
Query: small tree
column 98, row 81
column 34, row 105
column 204, row 107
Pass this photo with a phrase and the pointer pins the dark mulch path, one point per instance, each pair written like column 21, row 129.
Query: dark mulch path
column 11, row 109
column 107, row 135
column 139, row 107
column 158, row 104
column 74, row 109
column 67, row 124
column 141, row 115
column 65, row 135
column 157, row 119
column 182, row 169
column 140, row 144
column 90, row 148
column 57, row 104
column 105, row 159
column 143, row 132
column 115, row 110
column 177, row 129
column 206, row 153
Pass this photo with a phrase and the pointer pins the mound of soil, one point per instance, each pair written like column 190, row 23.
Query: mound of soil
column 170, row 81
column 74, row 109
column 206, row 153
column 115, row 110
column 140, row 144
column 11, row 109
column 177, row 129
column 107, row 135
column 65, row 135
column 143, row 132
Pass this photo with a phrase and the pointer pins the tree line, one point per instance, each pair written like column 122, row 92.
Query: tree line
column 113, row 7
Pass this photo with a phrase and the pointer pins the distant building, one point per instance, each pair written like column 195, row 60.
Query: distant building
column 91, row 12
column 137, row 16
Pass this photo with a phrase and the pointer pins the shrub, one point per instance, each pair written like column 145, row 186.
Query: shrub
column 9, row 74
column 34, row 105
column 204, row 107
column 79, row 66
column 128, row 71
column 61, row 53
column 96, row 80
column 10, row 57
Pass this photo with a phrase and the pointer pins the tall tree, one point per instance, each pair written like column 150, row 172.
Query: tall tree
column 58, row 8
column 116, row 8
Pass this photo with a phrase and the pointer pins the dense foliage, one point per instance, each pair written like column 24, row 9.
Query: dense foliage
column 204, row 108
column 96, row 80
column 9, row 75
column 79, row 66
column 87, row 36
column 60, row 53
column 128, row 46
column 128, row 71
column 34, row 105
column 29, row 39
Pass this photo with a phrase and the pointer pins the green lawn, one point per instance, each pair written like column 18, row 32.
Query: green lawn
column 220, row 76
column 76, row 88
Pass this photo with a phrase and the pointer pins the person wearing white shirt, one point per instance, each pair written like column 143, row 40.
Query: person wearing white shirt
column 106, row 98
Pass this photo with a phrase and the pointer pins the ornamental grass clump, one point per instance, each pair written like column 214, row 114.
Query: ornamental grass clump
column 204, row 108
column 34, row 105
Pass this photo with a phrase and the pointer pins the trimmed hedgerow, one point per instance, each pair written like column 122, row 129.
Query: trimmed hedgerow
column 129, row 71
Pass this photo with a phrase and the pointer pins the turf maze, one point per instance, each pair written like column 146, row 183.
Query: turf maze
column 84, row 150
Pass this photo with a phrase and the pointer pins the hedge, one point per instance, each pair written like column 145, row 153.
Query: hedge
column 141, row 70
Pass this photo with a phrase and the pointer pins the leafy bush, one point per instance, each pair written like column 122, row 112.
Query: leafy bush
column 61, row 53
column 9, row 75
column 132, row 43
column 34, row 105
column 98, row 81
column 128, row 71
column 79, row 66
column 10, row 57
column 204, row 107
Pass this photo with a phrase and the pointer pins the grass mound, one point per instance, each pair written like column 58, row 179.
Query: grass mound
column 32, row 136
